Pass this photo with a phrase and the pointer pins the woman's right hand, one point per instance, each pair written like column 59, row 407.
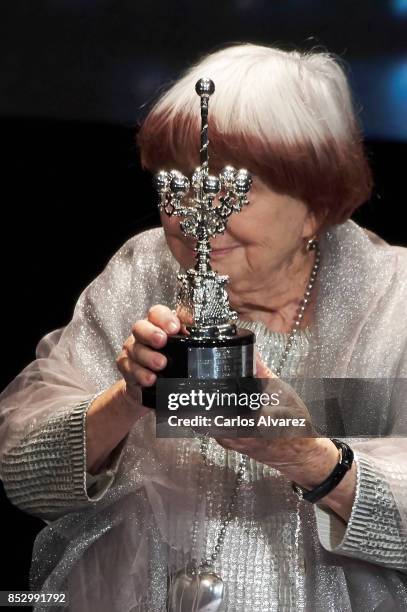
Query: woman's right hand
column 140, row 358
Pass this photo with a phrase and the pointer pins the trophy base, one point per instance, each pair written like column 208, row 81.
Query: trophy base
column 222, row 357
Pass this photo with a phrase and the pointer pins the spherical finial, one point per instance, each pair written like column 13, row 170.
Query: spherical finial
column 243, row 182
column 179, row 183
column 210, row 185
column 205, row 87
column 162, row 181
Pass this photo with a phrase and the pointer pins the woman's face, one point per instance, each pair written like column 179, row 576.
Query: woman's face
column 258, row 242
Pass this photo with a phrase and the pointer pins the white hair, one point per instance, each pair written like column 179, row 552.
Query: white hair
column 266, row 92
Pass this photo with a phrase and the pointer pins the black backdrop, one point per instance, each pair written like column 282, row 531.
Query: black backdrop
column 73, row 76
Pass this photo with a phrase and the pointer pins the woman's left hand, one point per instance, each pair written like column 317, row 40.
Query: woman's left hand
column 308, row 461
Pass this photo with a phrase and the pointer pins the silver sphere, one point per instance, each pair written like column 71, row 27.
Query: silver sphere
column 227, row 177
column 162, row 181
column 243, row 182
column 179, row 184
column 205, row 87
column 211, row 185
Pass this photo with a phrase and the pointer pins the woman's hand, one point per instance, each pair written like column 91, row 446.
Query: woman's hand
column 308, row 461
column 140, row 358
column 285, row 448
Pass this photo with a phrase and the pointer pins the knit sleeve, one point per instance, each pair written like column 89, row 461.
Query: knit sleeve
column 45, row 475
column 375, row 531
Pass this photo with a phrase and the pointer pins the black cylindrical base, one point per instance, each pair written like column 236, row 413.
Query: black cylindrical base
column 213, row 358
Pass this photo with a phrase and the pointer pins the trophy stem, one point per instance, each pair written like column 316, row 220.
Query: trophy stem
column 204, row 156
column 203, row 250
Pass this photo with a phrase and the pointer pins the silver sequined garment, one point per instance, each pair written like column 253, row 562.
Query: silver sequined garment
column 114, row 537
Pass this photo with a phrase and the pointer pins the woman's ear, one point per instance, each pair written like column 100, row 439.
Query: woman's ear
column 312, row 225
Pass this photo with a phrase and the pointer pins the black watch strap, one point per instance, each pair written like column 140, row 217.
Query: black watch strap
column 334, row 478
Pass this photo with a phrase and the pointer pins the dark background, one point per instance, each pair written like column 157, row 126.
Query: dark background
column 74, row 77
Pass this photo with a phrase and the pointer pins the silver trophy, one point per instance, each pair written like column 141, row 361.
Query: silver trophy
column 215, row 348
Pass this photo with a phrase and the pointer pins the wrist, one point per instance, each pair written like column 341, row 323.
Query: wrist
column 334, row 478
column 316, row 466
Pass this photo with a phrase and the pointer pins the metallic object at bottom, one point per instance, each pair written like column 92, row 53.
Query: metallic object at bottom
column 225, row 357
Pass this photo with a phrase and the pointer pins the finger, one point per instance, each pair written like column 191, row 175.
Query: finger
column 146, row 357
column 184, row 330
column 145, row 332
column 163, row 317
column 142, row 376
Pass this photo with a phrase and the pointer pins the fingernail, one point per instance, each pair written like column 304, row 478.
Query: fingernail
column 159, row 361
column 172, row 326
column 151, row 377
column 158, row 336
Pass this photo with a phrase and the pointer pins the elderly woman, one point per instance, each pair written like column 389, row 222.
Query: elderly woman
column 128, row 513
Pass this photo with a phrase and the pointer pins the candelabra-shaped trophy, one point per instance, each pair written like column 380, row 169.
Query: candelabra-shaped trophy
column 214, row 347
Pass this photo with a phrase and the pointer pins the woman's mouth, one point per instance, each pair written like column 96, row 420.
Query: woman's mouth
column 223, row 251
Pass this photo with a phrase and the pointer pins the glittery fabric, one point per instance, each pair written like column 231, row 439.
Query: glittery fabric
column 375, row 531
column 113, row 538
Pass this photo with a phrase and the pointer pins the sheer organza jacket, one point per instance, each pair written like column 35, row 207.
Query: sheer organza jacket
column 112, row 539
